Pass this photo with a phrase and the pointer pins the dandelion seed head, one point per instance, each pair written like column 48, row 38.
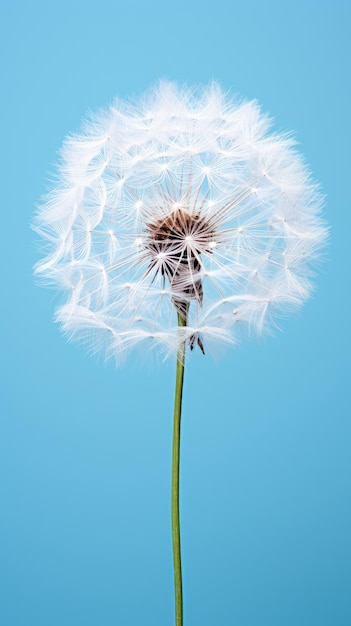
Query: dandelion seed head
column 182, row 203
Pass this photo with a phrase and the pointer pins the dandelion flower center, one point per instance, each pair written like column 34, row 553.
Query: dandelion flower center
column 181, row 237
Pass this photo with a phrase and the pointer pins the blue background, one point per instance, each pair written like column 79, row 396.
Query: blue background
column 85, row 448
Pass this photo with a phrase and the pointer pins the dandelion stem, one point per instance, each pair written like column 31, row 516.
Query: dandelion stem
column 178, row 592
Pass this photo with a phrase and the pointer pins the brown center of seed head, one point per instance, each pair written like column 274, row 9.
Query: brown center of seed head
column 179, row 239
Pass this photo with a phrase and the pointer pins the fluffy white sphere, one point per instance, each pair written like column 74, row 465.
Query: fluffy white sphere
column 183, row 202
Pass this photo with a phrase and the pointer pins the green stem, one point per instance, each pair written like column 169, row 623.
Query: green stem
column 175, row 482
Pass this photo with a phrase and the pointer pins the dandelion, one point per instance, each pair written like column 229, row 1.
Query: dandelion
column 178, row 221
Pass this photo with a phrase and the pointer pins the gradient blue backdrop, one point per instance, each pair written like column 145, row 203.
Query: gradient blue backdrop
column 85, row 449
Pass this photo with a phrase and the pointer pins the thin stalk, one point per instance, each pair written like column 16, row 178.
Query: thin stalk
column 177, row 561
